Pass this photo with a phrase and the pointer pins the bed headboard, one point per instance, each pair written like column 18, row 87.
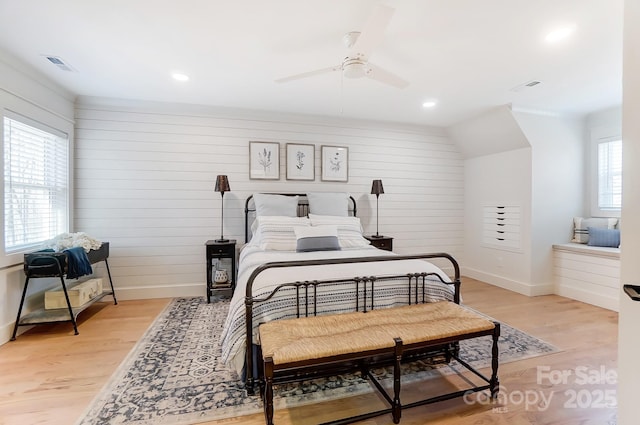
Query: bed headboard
column 303, row 209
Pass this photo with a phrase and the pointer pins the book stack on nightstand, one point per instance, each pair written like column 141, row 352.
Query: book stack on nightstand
column 381, row 242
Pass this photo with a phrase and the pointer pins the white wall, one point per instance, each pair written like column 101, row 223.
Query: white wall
column 501, row 178
column 557, row 191
column 546, row 180
column 629, row 343
column 145, row 177
column 492, row 132
column 24, row 92
column 607, row 120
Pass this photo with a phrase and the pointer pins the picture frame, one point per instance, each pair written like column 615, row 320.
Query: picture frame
column 335, row 163
column 264, row 160
column 301, row 161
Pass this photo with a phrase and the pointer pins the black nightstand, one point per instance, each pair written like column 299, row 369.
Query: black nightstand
column 382, row 242
column 220, row 250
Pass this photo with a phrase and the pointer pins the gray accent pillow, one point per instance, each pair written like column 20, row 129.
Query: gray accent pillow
column 319, row 238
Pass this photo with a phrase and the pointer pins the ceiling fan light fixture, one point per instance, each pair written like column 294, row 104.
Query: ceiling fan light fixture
column 360, row 44
column 354, row 69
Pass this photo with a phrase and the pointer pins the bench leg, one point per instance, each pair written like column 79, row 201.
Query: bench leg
column 494, row 383
column 268, row 391
column 396, row 408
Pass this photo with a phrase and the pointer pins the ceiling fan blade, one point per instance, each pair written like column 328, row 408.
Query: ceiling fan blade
column 376, row 73
column 372, row 32
column 309, row 74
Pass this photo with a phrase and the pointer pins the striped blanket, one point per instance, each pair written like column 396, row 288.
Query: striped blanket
column 331, row 298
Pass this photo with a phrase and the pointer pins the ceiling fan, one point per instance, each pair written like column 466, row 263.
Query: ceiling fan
column 360, row 44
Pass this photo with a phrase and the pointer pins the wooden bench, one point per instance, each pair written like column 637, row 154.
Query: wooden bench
column 296, row 344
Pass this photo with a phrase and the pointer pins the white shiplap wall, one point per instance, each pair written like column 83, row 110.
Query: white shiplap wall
column 145, row 182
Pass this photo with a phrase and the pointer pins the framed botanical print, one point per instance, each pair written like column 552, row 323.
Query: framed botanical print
column 264, row 160
column 335, row 163
column 301, row 162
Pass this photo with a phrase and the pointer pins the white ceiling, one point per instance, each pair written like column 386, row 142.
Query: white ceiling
column 467, row 54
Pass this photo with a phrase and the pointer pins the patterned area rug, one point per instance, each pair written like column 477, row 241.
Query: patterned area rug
column 173, row 377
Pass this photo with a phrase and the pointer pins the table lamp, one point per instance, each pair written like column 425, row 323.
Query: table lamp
column 222, row 186
column 377, row 189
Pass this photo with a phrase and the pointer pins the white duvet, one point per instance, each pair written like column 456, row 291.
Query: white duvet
column 331, row 299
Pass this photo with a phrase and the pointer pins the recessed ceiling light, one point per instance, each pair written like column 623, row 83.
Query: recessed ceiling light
column 560, row 34
column 180, row 77
column 429, row 104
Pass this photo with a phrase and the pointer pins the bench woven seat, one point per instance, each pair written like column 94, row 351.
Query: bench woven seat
column 297, row 344
column 298, row 340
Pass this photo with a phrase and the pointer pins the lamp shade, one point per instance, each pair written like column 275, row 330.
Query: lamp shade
column 376, row 187
column 222, row 184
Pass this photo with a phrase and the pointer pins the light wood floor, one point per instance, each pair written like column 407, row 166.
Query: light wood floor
column 49, row 376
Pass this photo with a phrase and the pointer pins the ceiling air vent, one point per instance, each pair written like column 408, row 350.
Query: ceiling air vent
column 60, row 63
column 526, row 85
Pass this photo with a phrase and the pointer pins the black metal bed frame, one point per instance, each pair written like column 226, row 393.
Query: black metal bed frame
column 365, row 287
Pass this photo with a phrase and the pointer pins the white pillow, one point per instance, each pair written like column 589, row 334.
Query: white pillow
column 275, row 205
column 328, row 203
column 349, row 229
column 276, row 233
column 581, row 227
column 317, row 238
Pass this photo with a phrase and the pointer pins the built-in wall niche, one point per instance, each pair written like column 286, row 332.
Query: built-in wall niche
column 501, row 228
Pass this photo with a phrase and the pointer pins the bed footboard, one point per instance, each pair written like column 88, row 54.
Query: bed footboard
column 365, row 290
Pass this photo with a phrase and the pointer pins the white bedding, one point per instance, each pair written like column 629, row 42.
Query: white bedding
column 332, row 299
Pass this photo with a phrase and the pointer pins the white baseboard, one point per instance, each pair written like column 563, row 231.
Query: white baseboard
column 510, row 284
column 6, row 331
column 173, row 291
column 599, row 300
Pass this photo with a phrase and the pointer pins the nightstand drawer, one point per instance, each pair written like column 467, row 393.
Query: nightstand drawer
column 222, row 249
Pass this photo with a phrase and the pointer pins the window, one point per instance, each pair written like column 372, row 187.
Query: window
column 36, row 184
column 606, row 188
column 610, row 175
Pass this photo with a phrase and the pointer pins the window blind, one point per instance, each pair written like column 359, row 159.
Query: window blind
column 610, row 175
column 36, row 185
